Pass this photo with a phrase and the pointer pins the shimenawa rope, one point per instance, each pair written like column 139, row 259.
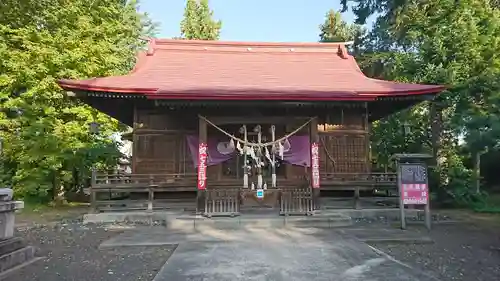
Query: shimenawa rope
column 257, row 144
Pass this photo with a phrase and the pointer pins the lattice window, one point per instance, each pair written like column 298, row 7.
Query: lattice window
column 348, row 151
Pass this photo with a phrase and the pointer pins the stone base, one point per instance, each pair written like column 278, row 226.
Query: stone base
column 177, row 221
column 7, row 217
column 10, row 245
column 14, row 253
column 170, row 218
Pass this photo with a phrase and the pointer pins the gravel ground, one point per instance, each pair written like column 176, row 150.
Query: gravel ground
column 462, row 252
column 71, row 253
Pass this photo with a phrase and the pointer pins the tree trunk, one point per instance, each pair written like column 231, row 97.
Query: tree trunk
column 436, row 117
column 477, row 171
column 58, row 189
column 436, row 120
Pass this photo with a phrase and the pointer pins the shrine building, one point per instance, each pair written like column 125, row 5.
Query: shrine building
column 224, row 127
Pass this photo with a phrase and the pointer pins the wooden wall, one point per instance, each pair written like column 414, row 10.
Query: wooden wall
column 345, row 137
column 160, row 142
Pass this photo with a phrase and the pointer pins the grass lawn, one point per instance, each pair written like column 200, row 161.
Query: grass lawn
column 40, row 214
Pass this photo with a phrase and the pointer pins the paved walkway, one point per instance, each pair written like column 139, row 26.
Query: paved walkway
column 269, row 254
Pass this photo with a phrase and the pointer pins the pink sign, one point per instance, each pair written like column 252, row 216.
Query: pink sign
column 315, row 165
column 415, row 193
column 202, row 166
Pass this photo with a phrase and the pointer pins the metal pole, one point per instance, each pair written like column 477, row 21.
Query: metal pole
column 427, row 211
column 427, row 208
column 93, row 195
column 401, row 202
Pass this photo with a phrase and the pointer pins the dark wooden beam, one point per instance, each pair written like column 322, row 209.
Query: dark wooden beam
column 225, row 120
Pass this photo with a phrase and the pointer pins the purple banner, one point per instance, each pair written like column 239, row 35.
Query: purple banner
column 218, row 151
column 296, row 150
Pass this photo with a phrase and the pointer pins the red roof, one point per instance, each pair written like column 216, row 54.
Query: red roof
column 217, row 70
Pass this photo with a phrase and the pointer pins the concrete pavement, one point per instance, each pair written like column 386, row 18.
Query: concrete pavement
column 279, row 254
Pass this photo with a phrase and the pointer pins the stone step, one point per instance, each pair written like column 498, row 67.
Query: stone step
column 183, row 220
column 16, row 258
column 10, row 245
column 262, row 222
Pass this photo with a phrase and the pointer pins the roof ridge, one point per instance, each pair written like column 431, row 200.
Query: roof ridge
column 160, row 41
column 257, row 47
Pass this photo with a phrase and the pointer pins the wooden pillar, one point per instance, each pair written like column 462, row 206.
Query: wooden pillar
column 288, row 167
column 367, row 128
column 202, row 167
column 357, row 203
column 314, row 171
column 150, row 193
column 135, row 141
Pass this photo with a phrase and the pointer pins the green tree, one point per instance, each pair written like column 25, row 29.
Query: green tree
column 198, row 22
column 334, row 29
column 447, row 42
column 46, row 140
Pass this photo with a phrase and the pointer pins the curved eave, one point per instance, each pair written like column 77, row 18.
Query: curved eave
column 249, row 94
column 69, row 85
column 290, row 95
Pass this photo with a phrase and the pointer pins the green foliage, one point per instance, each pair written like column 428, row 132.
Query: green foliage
column 334, row 29
column 487, row 205
column 388, row 135
column 447, row 42
column 46, row 140
column 197, row 23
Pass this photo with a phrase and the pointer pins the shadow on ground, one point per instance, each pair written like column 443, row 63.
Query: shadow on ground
column 268, row 254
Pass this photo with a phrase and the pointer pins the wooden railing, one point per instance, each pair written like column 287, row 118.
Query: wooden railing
column 386, row 182
column 114, row 191
column 112, row 180
column 296, row 201
column 222, row 202
column 365, row 179
column 137, row 191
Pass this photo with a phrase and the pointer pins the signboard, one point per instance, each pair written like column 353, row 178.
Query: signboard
column 202, row 166
column 414, row 184
column 260, row 193
column 315, row 165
